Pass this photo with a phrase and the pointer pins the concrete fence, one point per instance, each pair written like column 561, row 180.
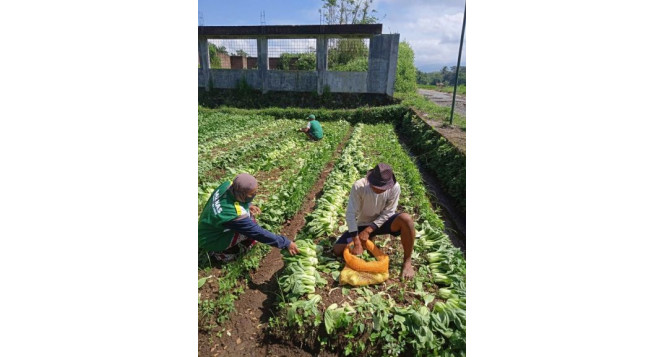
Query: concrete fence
column 379, row 78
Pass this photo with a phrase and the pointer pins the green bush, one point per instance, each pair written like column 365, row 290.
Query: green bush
column 360, row 64
column 302, row 61
column 215, row 61
column 406, row 73
column 348, row 54
column 384, row 114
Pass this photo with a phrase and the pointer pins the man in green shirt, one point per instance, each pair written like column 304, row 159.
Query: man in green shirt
column 314, row 130
column 227, row 227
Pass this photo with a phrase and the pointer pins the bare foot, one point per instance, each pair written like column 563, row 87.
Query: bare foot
column 407, row 271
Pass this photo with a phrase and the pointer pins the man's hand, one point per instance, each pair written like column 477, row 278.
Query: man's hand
column 292, row 248
column 357, row 246
column 364, row 235
column 255, row 211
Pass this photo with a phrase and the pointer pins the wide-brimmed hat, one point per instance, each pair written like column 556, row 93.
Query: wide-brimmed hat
column 381, row 177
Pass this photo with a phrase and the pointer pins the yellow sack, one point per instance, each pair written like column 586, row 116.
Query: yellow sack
column 358, row 272
column 356, row 278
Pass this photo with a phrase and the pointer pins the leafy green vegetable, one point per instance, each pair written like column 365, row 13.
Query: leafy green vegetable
column 202, row 281
column 337, row 317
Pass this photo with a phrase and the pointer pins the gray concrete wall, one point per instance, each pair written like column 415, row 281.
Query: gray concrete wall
column 383, row 54
column 346, row 82
column 228, row 78
column 295, row 81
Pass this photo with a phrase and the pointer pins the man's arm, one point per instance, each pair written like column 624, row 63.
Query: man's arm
column 251, row 229
column 352, row 210
column 306, row 130
column 354, row 206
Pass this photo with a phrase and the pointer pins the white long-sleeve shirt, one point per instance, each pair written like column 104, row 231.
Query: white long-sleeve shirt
column 366, row 207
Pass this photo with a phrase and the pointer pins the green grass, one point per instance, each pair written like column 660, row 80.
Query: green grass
column 461, row 89
column 434, row 111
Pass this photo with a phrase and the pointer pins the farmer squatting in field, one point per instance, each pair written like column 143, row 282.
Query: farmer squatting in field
column 314, row 130
column 372, row 210
column 227, row 225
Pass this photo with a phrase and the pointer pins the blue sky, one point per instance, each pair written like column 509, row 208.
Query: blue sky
column 432, row 27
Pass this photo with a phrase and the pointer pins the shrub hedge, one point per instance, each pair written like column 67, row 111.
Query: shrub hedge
column 437, row 154
column 360, row 115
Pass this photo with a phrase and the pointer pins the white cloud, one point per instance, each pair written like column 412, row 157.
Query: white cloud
column 432, row 28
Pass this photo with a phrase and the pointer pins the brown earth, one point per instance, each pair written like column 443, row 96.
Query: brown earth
column 243, row 334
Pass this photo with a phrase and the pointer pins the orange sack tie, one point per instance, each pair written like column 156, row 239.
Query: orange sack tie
column 358, row 264
column 358, row 272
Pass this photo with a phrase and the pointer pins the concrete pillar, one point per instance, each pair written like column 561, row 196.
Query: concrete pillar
column 262, row 63
column 204, row 59
column 383, row 56
column 392, row 66
column 321, row 62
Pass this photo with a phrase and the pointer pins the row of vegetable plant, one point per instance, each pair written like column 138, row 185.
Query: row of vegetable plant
column 300, row 276
column 446, row 265
column 421, row 319
column 277, row 156
column 437, row 154
column 209, row 149
column 214, row 125
column 210, row 167
column 278, row 199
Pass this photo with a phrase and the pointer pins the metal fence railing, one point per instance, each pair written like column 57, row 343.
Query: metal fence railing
column 292, row 54
column 233, row 54
column 348, row 54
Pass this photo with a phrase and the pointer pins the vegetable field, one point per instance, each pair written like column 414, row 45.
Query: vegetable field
column 309, row 310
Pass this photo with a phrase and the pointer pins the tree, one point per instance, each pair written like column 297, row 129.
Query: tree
column 340, row 12
column 448, row 77
column 215, row 61
column 406, row 80
column 297, row 61
column 221, row 49
column 346, row 50
column 241, row 53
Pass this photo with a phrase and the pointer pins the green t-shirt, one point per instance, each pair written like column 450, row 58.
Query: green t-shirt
column 316, row 129
column 220, row 208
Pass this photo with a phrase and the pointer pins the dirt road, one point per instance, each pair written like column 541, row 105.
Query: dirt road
column 445, row 99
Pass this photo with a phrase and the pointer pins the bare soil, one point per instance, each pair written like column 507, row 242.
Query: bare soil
column 243, row 334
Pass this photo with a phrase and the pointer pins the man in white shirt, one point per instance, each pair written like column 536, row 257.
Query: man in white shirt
column 372, row 211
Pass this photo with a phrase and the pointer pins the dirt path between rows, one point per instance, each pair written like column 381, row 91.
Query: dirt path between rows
column 244, row 334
